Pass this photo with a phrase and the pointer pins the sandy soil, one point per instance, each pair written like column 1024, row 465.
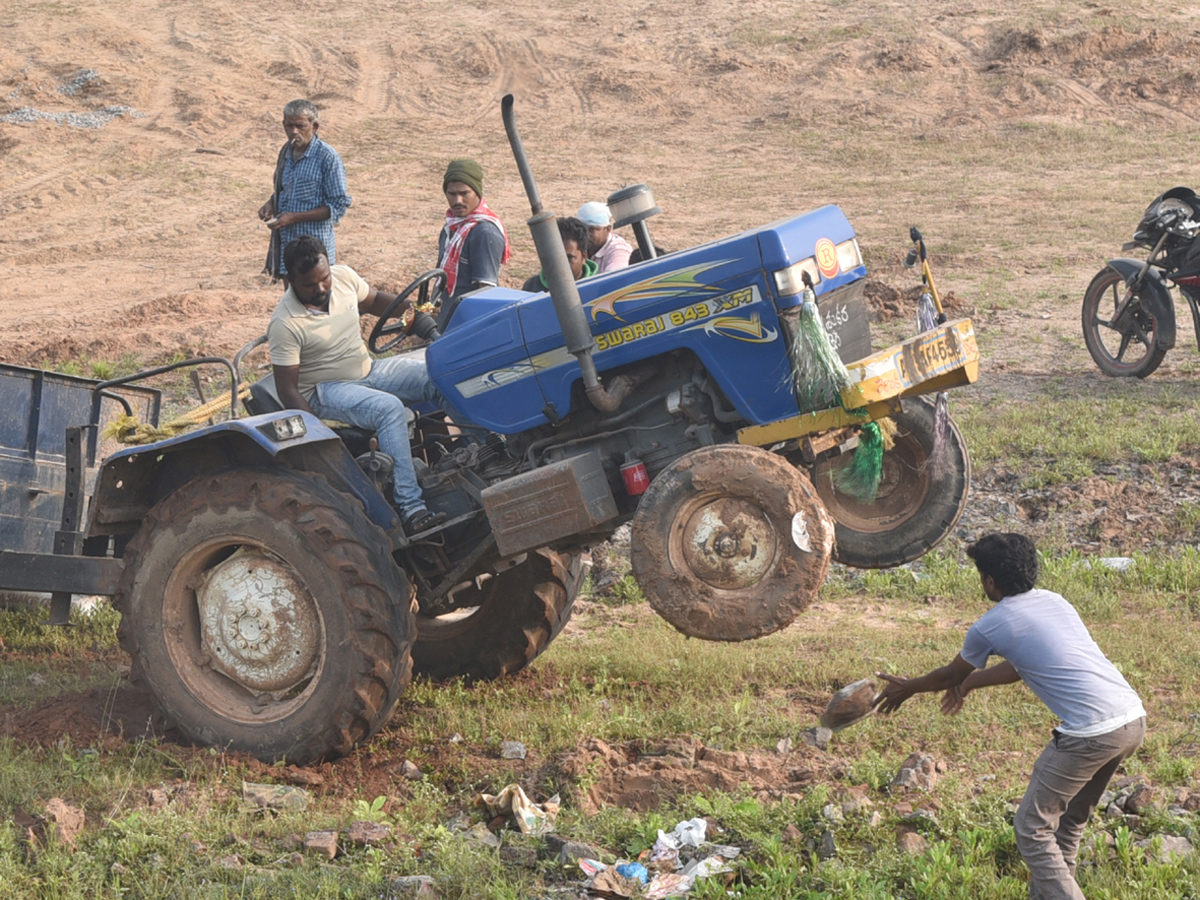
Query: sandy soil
column 140, row 236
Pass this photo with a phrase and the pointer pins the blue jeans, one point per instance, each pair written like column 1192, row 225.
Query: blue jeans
column 377, row 402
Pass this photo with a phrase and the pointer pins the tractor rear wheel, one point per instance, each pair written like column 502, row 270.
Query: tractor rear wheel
column 501, row 623
column 916, row 505
column 730, row 543
column 257, row 608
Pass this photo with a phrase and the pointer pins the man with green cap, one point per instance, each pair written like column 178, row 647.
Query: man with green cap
column 473, row 245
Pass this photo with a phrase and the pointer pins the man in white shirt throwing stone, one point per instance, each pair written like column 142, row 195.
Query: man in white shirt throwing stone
column 1045, row 644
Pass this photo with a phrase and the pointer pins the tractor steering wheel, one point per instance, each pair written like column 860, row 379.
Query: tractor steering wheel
column 431, row 284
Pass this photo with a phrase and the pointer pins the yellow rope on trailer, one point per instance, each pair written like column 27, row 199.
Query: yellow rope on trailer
column 129, row 430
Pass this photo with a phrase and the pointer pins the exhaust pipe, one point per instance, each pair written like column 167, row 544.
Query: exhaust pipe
column 564, row 294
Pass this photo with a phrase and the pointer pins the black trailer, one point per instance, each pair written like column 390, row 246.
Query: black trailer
column 49, row 440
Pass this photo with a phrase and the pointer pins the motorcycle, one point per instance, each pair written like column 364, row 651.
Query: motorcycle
column 1128, row 311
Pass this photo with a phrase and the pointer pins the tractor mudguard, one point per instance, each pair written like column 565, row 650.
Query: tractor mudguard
column 133, row 480
column 1156, row 298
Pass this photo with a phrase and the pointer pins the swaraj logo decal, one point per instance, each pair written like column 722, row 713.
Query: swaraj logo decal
column 660, row 287
column 738, row 328
column 826, row 255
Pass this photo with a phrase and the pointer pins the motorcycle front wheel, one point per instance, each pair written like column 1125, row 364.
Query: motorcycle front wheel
column 1132, row 352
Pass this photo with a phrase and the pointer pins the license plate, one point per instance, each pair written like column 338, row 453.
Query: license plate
column 936, row 354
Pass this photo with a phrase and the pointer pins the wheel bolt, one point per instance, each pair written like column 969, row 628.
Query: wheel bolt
column 726, row 545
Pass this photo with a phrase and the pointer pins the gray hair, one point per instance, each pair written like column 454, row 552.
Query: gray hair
column 302, row 108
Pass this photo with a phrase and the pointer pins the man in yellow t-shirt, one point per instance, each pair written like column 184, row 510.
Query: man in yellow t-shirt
column 321, row 365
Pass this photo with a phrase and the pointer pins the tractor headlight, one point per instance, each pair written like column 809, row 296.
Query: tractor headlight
column 790, row 281
column 285, row 429
column 848, row 255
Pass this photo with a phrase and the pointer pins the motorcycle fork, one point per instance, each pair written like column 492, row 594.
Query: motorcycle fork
column 1132, row 286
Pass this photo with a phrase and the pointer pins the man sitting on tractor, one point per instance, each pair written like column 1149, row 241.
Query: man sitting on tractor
column 472, row 245
column 321, row 365
column 574, row 236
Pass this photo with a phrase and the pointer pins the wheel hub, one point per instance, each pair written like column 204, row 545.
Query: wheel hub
column 258, row 622
column 729, row 543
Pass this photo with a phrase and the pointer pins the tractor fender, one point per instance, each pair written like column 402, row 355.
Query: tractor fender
column 133, row 480
column 1155, row 295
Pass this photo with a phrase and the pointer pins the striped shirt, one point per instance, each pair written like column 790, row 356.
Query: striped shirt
column 317, row 178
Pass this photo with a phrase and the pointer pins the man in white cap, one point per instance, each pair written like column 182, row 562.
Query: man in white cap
column 609, row 250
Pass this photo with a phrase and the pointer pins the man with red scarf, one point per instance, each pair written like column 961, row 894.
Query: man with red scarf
column 473, row 245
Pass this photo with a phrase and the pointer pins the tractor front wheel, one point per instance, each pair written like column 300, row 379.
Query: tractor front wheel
column 257, row 608
column 730, row 543
column 917, row 504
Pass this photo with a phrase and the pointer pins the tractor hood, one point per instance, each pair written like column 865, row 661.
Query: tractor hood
column 503, row 364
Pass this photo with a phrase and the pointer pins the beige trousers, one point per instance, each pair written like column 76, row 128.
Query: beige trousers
column 1067, row 782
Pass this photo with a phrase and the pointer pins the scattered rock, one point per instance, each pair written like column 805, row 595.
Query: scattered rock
column 512, row 750
column 919, row 771
column 232, row 861
column 1141, row 800
column 302, row 777
column 37, row 679
column 323, row 843
column 818, row 737
column 411, row 771
column 1171, row 845
column 525, row 857
column 922, row 816
column 275, row 796
column 417, row 887
column 572, row 852
column 68, row 821
column 827, row 848
column 456, row 738
column 784, row 746
column 363, row 834
column 1113, row 811
column 792, row 834
column 158, row 799
column 910, row 842
column 832, row 813
column 481, row 834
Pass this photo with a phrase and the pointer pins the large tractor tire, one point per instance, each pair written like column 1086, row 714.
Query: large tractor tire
column 258, row 609
column 500, row 624
column 916, row 505
column 730, row 543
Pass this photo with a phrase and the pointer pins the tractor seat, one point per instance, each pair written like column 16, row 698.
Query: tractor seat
column 263, row 399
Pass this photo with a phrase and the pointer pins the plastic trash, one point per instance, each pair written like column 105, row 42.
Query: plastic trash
column 531, row 818
column 634, row 870
column 668, row 885
column 591, row 867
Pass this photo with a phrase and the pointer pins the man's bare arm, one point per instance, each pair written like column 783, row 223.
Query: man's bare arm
column 900, row 689
column 316, row 214
column 1002, row 673
column 287, row 386
column 377, row 302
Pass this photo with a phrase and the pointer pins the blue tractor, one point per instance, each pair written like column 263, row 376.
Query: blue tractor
column 270, row 604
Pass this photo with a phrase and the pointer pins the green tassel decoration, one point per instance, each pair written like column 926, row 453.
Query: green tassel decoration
column 860, row 479
column 818, row 373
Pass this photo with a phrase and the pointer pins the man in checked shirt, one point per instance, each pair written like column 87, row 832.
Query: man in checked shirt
column 310, row 194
